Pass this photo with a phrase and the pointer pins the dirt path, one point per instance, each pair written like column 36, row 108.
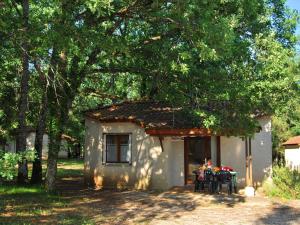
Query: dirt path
column 176, row 206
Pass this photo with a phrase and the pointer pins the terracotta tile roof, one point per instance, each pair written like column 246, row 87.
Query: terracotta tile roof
column 293, row 141
column 153, row 114
column 149, row 114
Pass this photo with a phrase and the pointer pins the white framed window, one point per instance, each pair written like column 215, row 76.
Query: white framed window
column 117, row 148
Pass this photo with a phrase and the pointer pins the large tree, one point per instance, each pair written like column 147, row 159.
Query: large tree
column 220, row 59
column 24, row 90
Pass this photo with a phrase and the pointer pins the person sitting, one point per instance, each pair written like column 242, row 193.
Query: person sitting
column 209, row 164
column 201, row 174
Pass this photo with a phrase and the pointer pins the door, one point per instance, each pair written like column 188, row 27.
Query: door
column 197, row 150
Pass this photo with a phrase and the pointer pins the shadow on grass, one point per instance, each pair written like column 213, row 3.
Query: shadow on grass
column 32, row 205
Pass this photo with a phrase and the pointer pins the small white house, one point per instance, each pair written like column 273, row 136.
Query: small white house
column 30, row 140
column 292, row 153
column 151, row 145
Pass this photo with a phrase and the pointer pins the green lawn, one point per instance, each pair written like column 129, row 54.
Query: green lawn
column 69, row 168
column 66, row 167
column 28, row 204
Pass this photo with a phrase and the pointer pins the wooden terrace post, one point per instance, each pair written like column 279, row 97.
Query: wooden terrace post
column 219, row 151
column 250, row 164
column 247, row 161
column 249, row 190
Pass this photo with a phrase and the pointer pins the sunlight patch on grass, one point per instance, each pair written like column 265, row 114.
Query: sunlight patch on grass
column 69, row 168
column 12, row 190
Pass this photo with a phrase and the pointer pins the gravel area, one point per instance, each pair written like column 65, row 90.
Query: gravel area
column 181, row 206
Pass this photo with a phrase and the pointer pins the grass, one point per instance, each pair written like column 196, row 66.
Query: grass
column 65, row 167
column 32, row 205
column 70, row 168
column 271, row 190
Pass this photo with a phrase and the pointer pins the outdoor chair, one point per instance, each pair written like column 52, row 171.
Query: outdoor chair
column 196, row 182
column 234, row 181
column 207, row 180
column 224, row 177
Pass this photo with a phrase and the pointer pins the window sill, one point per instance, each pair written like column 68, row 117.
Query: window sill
column 117, row 164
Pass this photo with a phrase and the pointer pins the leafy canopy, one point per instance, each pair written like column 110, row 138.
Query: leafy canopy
column 223, row 60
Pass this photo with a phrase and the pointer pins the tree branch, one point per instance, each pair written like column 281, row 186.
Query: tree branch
column 117, row 70
column 98, row 93
column 13, row 2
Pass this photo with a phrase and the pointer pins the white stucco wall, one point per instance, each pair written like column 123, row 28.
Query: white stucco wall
column 30, row 139
column 10, row 146
column 157, row 168
column 151, row 167
column 63, row 152
column 292, row 157
column 176, row 161
column 233, row 153
column 262, row 151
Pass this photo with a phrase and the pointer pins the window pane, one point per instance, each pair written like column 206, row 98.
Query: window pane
column 124, row 148
column 125, row 153
column 124, row 139
column 111, row 148
column 117, row 148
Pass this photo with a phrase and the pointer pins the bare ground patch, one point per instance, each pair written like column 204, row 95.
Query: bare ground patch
column 178, row 206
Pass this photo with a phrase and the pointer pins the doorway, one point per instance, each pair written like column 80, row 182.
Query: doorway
column 197, row 150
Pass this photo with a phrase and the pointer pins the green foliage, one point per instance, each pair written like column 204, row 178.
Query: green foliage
column 286, row 119
column 192, row 53
column 29, row 155
column 285, row 183
column 9, row 162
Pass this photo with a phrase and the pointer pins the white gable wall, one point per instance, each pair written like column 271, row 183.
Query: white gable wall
column 262, row 151
column 292, row 157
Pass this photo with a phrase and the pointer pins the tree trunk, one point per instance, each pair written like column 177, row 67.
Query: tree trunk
column 143, row 88
column 55, row 142
column 37, row 175
column 23, row 101
column 50, row 183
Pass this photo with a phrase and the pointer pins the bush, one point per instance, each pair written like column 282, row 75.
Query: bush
column 9, row 162
column 285, row 183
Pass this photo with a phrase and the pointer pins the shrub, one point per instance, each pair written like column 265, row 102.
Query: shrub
column 285, row 183
column 9, row 162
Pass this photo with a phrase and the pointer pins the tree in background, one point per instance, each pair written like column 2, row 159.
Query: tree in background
column 15, row 62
